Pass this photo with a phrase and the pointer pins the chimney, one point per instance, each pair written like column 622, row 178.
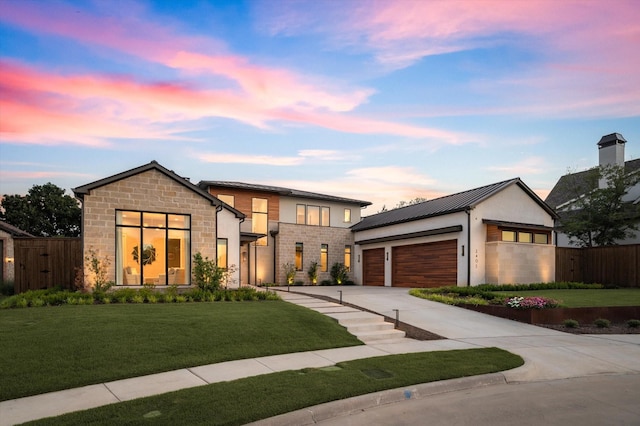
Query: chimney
column 611, row 152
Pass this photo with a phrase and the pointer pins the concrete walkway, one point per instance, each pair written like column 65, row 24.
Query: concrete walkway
column 548, row 354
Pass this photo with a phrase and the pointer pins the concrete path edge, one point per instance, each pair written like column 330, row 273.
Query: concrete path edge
column 345, row 407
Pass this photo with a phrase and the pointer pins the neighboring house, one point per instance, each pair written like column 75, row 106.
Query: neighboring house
column 7, row 234
column 291, row 226
column 571, row 186
column 499, row 233
column 150, row 222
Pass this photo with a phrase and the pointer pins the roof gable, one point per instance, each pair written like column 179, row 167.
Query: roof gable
column 572, row 184
column 83, row 190
column 14, row 231
column 288, row 192
column 454, row 203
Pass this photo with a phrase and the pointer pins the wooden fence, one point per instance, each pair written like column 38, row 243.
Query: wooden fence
column 614, row 265
column 46, row 262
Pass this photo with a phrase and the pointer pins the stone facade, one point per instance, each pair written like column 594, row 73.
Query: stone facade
column 8, row 257
column 312, row 237
column 518, row 263
column 150, row 191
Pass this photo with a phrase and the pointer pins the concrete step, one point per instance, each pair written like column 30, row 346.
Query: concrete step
column 378, row 336
column 355, row 318
column 369, row 327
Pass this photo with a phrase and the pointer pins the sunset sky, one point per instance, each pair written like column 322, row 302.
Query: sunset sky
column 375, row 100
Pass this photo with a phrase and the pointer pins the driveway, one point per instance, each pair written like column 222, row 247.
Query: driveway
column 548, row 354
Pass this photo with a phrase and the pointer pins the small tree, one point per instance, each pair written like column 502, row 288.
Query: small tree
column 339, row 273
column 98, row 268
column 289, row 272
column 206, row 274
column 598, row 216
column 312, row 272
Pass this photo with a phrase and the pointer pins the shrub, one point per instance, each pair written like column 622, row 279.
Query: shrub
column 98, row 268
column 602, row 323
column 312, row 272
column 633, row 323
column 570, row 323
column 207, row 275
column 339, row 273
column 298, row 283
column 326, row 282
column 289, row 272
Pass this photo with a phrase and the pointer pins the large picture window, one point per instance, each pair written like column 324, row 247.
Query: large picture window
column 152, row 248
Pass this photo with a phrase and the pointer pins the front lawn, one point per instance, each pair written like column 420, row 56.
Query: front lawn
column 246, row 400
column 52, row 348
column 587, row 298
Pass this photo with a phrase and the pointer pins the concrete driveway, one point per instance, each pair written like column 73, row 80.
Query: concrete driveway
column 548, row 354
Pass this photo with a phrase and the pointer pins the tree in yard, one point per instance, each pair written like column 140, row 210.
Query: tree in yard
column 45, row 212
column 599, row 216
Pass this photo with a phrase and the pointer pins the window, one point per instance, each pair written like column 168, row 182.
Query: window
column 347, row 257
column 299, row 248
column 541, row 239
column 229, row 199
column 509, row 236
column 324, row 257
column 223, row 253
column 347, row 215
column 324, row 216
column 301, row 213
column 259, row 221
column 152, row 248
column 525, row 237
column 313, row 215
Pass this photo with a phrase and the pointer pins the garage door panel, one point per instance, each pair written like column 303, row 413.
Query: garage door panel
column 425, row 265
column 373, row 267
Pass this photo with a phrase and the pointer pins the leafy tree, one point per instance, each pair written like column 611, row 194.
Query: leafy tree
column 45, row 212
column 598, row 216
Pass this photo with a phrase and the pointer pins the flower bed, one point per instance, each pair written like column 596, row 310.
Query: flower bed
column 615, row 314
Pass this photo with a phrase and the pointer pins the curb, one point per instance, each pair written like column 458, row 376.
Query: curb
column 345, row 407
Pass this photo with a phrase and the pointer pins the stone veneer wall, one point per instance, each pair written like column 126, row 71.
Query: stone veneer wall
column 8, row 267
column 150, row 191
column 311, row 237
column 519, row 263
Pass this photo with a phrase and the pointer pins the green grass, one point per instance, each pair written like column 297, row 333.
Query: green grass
column 53, row 348
column 586, row 298
column 246, row 400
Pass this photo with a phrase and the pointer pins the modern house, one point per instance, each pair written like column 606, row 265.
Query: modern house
column 291, row 226
column 573, row 186
column 149, row 222
column 8, row 233
column 499, row 233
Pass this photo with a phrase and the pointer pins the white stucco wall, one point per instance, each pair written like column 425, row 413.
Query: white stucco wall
column 229, row 227
column 336, row 211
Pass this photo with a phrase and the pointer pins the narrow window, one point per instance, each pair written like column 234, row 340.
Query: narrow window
column 301, row 214
column 525, row 237
column 347, row 215
column 325, row 216
column 313, row 215
column 509, row 236
column 324, row 257
column 223, row 253
column 347, row 257
column 541, row 239
column 229, row 199
column 299, row 248
column 259, row 220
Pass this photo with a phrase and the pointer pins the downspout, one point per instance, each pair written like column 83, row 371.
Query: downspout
column 274, row 234
column 240, row 252
column 469, row 252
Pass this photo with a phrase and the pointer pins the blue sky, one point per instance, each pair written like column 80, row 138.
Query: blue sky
column 381, row 101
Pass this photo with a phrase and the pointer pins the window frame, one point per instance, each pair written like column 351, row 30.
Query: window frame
column 226, row 253
column 347, row 257
column 262, row 241
column 299, row 251
column 347, row 215
column 324, row 255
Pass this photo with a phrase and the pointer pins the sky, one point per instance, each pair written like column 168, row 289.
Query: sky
column 382, row 101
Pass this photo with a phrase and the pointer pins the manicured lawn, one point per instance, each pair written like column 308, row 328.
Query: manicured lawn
column 246, row 400
column 53, row 348
column 587, row 298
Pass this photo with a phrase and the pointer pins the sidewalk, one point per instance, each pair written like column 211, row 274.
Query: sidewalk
column 548, row 354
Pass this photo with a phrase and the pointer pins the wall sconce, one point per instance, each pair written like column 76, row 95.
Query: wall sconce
column 8, row 259
column 244, row 256
column 463, row 249
column 387, row 256
column 358, row 258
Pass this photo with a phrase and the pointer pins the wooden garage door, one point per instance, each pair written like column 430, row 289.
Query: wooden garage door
column 425, row 265
column 373, row 266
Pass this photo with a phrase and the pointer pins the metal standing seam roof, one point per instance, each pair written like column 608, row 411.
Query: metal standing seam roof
column 444, row 205
column 289, row 192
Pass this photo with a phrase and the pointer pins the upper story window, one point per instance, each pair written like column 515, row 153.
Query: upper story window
column 259, row 219
column 313, row 215
column 347, row 215
column 229, row 199
column 529, row 237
